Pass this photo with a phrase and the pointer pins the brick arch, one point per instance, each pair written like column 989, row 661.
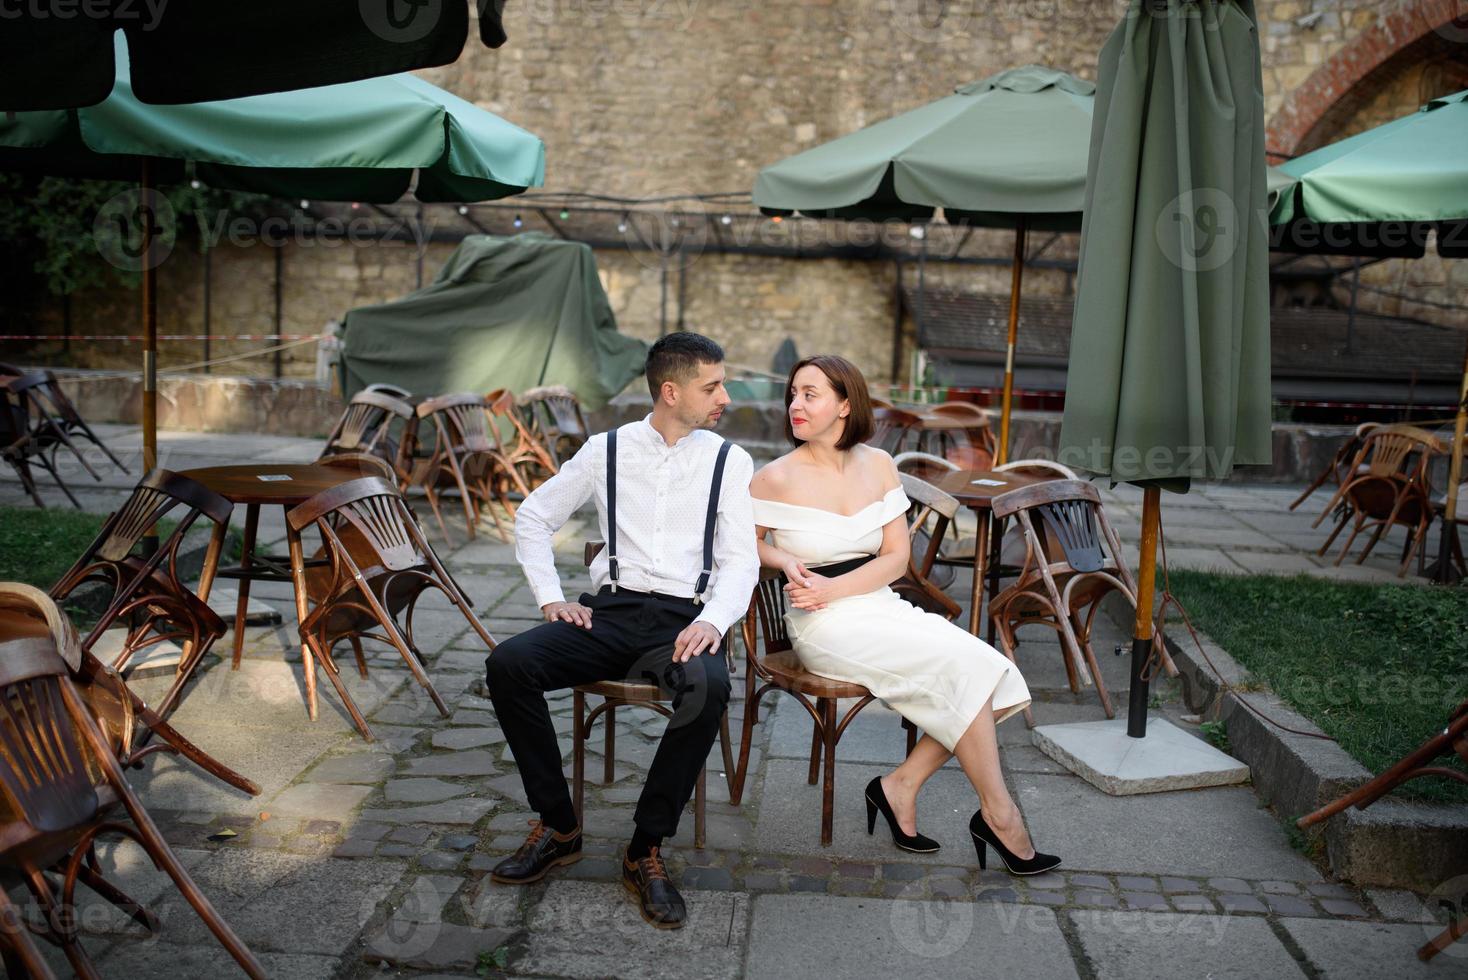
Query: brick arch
column 1348, row 67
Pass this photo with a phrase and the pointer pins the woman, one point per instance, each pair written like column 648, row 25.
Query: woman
column 830, row 515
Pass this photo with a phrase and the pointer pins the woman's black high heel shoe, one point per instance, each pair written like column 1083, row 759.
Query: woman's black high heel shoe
column 877, row 800
column 983, row 834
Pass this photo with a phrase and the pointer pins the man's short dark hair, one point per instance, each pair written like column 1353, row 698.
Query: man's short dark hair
column 676, row 358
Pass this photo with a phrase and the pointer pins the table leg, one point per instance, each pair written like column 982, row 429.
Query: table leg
column 298, row 579
column 981, row 554
column 252, row 521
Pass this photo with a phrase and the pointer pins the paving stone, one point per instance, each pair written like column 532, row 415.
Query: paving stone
column 319, row 800
column 1136, row 884
column 1193, row 903
column 1369, row 950
column 439, row 861
column 434, row 946
column 1279, row 887
column 458, row 842
column 1290, row 905
column 146, row 960
column 355, row 848
column 474, row 717
column 949, row 888
column 358, row 767
column 461, row 812
column 850, row 870
column 1103, row 899
column 1329, row 889
column 1045, row 879
column 759, row 881
column 903, row 872
column 804, row 883
column 510, row 787
column 1170, row 885
column 576, row 923
column 594, row 869
column 322, row 827
column 1343, row 907
column 1167, row 945
column 1090, row 881
column 1144, row 900
column 1241, row 903
column 1395, row 903
column 398, row 850
column 496, row 906
column 410, row 835
column 467, row 738
column 473, row 762
column 908, row 938
column 421, row 790
column 1045, row 898
column 1234, row 885
column 712, row 879
column 368, row 831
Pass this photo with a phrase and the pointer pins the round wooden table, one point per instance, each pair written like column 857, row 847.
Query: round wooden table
column 976, row 490
column 262, row 484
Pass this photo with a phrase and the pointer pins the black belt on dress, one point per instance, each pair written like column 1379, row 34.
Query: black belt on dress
column 841, row 567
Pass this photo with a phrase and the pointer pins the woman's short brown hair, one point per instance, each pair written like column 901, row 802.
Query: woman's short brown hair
column 847, row 381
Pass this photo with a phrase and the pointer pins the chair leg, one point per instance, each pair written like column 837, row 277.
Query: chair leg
column 356, row 642
column 1455, row 931
column 432, row 496
column 332, row 674
column 1345, row 548
column 746, row 736
column 828, row 788
column 912, row 735
column 1006, row 647
column 1340, row 526
column 815, row 743
column 579, row 735
column 1095, row 668
column 728, row 749
column 609, row 745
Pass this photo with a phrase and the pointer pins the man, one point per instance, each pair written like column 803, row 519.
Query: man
column 659, row 611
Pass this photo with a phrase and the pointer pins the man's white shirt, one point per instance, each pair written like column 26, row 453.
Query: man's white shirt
column 662, row 504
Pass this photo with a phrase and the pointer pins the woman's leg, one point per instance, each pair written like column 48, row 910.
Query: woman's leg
column 978, row 754
column 901, row 785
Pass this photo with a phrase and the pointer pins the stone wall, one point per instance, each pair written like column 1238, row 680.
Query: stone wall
column 643, row 98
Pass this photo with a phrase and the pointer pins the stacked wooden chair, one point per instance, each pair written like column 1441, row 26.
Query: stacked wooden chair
column 55, row 421
column 1337, row 471
column 366, row 425
column 463, row 457
column 146, row 595
column 893, row 428
column 977, row 449
column 522, row 450
column 61, row 789
column 1385, row 485
column 378, row 566
column 556, row 419
column 1073, row 559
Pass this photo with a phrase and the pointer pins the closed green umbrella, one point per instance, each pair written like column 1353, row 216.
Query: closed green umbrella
column 1169, row 356
column 1005, row 152
column 360, row 141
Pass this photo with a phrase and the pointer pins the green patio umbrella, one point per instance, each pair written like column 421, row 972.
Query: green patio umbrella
column 1410, row 172
column 360, row 141
column 1169, row 357
column 1005, row 152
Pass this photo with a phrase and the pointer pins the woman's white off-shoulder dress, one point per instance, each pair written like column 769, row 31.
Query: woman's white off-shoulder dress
column 935, row 674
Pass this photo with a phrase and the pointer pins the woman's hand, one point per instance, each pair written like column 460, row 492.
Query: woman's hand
column 795, row 571
column 815, row 594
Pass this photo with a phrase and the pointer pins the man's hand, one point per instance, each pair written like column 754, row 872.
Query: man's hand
column 567, row 612
column 696, row 638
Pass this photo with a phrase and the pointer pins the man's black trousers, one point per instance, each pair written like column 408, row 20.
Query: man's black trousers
column 631, row 638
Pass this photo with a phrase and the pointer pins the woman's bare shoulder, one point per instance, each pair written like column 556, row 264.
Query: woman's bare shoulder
column 773, row 480
column 879, row 466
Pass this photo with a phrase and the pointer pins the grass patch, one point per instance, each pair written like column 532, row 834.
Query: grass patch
column 38, row 546
column 1377, row 667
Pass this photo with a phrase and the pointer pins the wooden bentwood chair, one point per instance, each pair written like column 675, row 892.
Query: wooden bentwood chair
column 630, row 694
column 365, row 426
column 61, row 786
column 556, row 419
column 464, row 457
column 1072, row 560
column 379, row 565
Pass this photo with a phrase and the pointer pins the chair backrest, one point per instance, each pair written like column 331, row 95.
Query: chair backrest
column 374, row 509
column 392, row 391
column 890, row 428
column 13, row 417
column 39, row 391
column 767, row 608
column 45, row 778
column 961, row 410
column 1070, row 512
column 913, row 460
column 155, row 495
column 562, row 405
column 1038, row 467
column 365, row 421
column 1398, row 450
column 928, row 496
column 460, row 420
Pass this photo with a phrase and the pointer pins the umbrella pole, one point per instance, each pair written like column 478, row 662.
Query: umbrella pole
column 150, row 332
column 1444, row 571
column 1016, row 277
column 1136, row 716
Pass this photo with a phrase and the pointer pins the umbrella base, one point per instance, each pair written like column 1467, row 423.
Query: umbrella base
column 1102, row 754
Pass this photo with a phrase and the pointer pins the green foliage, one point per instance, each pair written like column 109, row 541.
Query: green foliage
column 1217, row 735
column 492, row 959
column 47, row 244
column 38, row 546
column 1377, row 667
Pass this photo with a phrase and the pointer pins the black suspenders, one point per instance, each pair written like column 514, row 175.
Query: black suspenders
column 708, row 525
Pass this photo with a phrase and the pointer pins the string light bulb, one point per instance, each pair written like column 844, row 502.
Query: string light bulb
column 305, row 204
column 195, row 183
column 726, row 220
column 519, row 222
column 463, row 209
column 622, row 225
column 565, row 213
column 917, row 231
column 776, row 219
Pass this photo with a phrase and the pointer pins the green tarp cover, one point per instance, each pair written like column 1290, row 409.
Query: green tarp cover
column 503, row 313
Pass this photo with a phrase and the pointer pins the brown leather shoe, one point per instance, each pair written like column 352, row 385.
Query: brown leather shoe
column 657, row 899
column 543, row 850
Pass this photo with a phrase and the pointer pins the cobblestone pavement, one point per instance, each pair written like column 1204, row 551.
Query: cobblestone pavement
column 368, row 859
